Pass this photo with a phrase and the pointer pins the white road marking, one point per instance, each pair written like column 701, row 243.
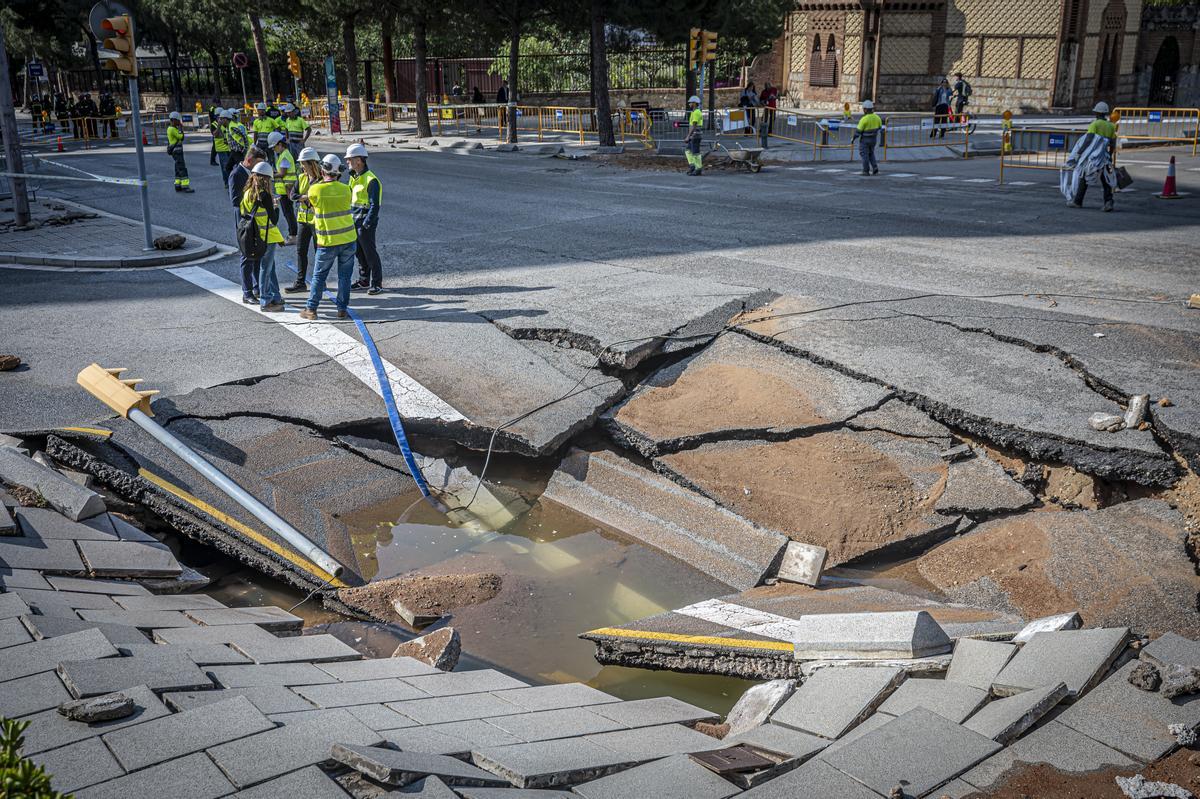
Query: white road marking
column 831, row 171
column 1022, row 183
column 739, row 617
column 901, row 174
column 939, row 177
column 802, row 168
column 413, row 400
column 980, row 180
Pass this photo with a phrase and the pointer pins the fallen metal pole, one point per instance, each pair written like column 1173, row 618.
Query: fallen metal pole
column 238, row 494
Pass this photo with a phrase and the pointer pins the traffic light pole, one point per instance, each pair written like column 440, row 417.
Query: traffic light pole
column 135, row 101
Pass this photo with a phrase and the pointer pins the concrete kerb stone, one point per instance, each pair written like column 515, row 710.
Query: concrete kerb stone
column 72, row 500
column 896, row 634
column 1046, row 624
column 834, row 700
column 1078, row 658
column 1005, row 720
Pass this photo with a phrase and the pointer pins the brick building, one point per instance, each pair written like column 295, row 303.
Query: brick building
column 1168, row 56
column 1024, row 55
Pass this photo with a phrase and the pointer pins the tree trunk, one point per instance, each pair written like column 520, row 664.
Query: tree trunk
column 514, row 59
column 218, row 84
column 94, row 52
column 353, row 102
column 260, row 53
column 604, row 122
column 420, row 52
column 172, row 51
column 389, row 61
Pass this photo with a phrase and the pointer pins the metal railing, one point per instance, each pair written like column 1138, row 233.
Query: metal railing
column 1037, row 148
column 821, row 133
column 906, row 130
column 1159, row 124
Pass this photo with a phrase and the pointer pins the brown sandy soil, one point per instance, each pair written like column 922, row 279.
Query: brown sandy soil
column 648, row 160
column 432, row 594
column 26, row 496
column 832, row 489
column 1185, row 497
column 1043, row 782
column 711, row 397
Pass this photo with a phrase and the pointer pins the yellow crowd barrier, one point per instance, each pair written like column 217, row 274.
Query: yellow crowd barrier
column 1159, row 124
column 905, row 130
column 1037, row 148
column 821, row 133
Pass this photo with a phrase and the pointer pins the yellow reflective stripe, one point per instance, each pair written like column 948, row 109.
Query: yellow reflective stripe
column 334, row 231
column 705, row 640
column 333, row 214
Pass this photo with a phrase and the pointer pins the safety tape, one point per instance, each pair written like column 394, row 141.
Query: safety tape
column 389, row 399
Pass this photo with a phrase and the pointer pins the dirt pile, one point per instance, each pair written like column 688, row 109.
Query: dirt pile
column 428, row 594
column 1045, row 782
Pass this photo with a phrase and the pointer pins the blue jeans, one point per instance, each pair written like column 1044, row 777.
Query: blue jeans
column 226, row 166
column 268, row 283
column 343, row 255
column 867, row 151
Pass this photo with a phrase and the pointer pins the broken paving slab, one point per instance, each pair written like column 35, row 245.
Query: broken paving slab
column 924, row 362
column 648, row 508
column 57, row 556
column 49, row 729
column 1043, row 563
column 1005, row 720
column 129, row 559
column 123, row 588
column 815, row 779
column 45, row 655
column 952, row 701
column 167, row 671
column 1078, row 658
column 1171, row 649
column 183, row 733
column 307, row 783
column 778, row 738
column 396, row 768
column 45, row 524
column 976, row 663
column 833, row 701
column 736, row 389
column 981, row 483
column 322, row 648
column 68, row 498
column 1054, row 744
column 549, row 764
column 193, row 777
column 677, row 777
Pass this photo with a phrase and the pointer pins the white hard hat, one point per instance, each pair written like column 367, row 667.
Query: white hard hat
column 309, row 154
column 289, row 107
column 694, row 99
column 219, row 110
column 227, row 114
column 274, row 137
column 260, row 106
column 331, row 163
column 263, row 168
column 867, row 105
column 1101, row 108
column 356, row 150
column 176, row 115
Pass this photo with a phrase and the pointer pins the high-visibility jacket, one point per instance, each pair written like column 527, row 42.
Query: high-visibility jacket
column 332, row 221
column 304, row 214
column 174, row 135
column 270, row 233
column 236, row 136
column 220, row 142
column 295, row 127
column 284, row 182
column 1102, row 127
column 359, row 185
column 868, row 128
column 262, row 126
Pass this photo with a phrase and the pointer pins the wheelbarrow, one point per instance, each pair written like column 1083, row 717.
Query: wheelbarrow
column 747, row 156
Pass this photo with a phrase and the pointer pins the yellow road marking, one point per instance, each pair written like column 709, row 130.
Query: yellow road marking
column 91, row 431
column 708, row 640
column 249, row 532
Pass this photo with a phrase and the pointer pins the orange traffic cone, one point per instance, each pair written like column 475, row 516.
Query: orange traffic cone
column 60, row 147
column 1169, row 192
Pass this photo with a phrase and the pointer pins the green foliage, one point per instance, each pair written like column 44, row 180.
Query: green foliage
column 19, row 777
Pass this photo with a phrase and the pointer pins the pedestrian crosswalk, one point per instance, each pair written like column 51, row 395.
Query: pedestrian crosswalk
column 848, row 171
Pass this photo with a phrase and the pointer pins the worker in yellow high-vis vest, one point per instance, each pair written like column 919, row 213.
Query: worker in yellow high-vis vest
column 175, row 150
column 695, row 132
column 368, row 197
column 333, row 224
column 308, row 175
column 285, row 181
column 867, row 134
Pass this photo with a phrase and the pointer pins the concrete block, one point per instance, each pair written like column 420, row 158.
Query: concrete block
column 1130, row 720
column 950, row 700
column 165, row 672
column 343, row 694
column 649, row 743
column 393, row 767
column 920, row 749
column 512, row 793
column 88, row 585
column 1048, row 624
column 52, row 626
column 464, row 682
column 275, row 674
column 22, row 578
column 430, row 788
column 802, row 563
column 834, row 700
column 46, row 524
column 50, row 730
column 191, row 777
column 677, row 777
column 311, row 648
column 777, row 738
column 71, row 500
column 12, row 606
column 755, row 706
column 32, row 694
column 813, row 780
column 550, row 764
column 128, row 559
column 98, row 708
column 183, row 733
column 552, row 697
column 38, row 656
column 176, row 602
column 376, row 669
column 267, row 617
column 78, row 765
column 1078, row 658
column 546, row 724
column 195, row 634
column 8, row 525
column 1171, row 649
column 13, row 633
column 200, row 654
column 270, row 754
column 900, row 634
column 307, row 783
column 56, row 556
column 976, row 663
column 440, row 710
column 933, row 666
column 269, row 699
column 1005, row 720
column 658, row 710
column 440, row 649
column 1060, row 747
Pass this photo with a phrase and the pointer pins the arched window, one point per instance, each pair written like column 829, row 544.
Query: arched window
column 824, row 67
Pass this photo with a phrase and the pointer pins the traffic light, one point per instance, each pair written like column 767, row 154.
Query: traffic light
column 122, row 44
column 693, row 47
column 708, row 46
column 114, row 391
column 294, row 63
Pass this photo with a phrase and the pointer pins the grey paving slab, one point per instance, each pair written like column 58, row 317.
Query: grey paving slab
column 267, row 617
column 677, row 777
column 780, row 739
column 272, row 674
column 342, row 694
column 657, row 710
column 513, row 793
column 377, row 669
column 380, row 718
column 93, row 585
column 464, row 682
column 56, row 556
column 73, row 501
column 833, row 700
column 429, row 788
column 311, row 648
column 172, row 602
column 186, row 732
column 563, row 723
column 142, row 619
column 13, row 605
column 269, row 699
column 552, row 697
column 191, row 777
column 647, row 743
column 955, row 789
column 243, row 633
column 307, row 783
column 13, row 632
column 128, row 559
column 293, row 746
column 8, row 525
column 549, row 764
column 127, row 532
column 73, row 599
column 45, row 655
column 431, row 741
column 393, row 767
column 981, row 484
column 439, row 710
column 32, row 694
column 920, row 750
column 46, row 524
column 49, row 729
column 1129, row 719
column 976, row 663
column 52, row 626
column 168, row 671
column 869, row 724
column 1170, row 648
column 1054, row 744
column 815, row 779
column 22, row 578
column 78, row 765
column 1078, row 658
column 1005, row 720
column 200, row 654
column 476, row 733
column 950, row 700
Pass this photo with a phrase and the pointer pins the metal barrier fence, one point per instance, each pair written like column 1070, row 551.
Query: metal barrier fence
column 902, row 131
column 821, row 133
column 1160, row 124
column 1037, row 148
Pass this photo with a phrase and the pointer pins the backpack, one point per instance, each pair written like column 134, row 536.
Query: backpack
column 966, row 89
column 250, row 239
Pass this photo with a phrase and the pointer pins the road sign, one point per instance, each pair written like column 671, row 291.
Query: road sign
column 240, row 60
column 1155, row 116
column 34, row 70
column 1058, row 141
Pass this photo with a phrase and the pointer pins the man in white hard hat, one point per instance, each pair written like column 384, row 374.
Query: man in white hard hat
column 333, row 224
column 297, row 128
column 308, row 174
column 175, row 150
column 691, row 143
column 367, row 198
column 867, row 134
column 1091, row 161
column 262, row 126
column 285, row 181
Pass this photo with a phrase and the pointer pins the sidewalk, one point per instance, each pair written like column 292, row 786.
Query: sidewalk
column 66, row 234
